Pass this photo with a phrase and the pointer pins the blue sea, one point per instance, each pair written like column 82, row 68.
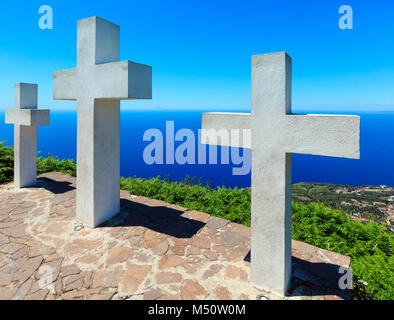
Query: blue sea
column 376, row 166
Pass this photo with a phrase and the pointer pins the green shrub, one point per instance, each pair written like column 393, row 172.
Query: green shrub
column 369, row 246
column 48, row 164
column 44, row 164
column 6, row 163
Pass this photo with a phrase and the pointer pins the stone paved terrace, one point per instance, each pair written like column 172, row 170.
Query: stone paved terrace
column 151, row 250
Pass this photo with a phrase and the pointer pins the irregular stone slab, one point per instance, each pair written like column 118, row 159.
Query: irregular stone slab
column 119, row 254
column 170, row 261
column 213, row 270
column 233, row 238
column 17, row 231
column 153, row 294
column 192, row 290
column 196, row 215
column 70, row 270
column 132, row 278
column 106, row 279
column 168, row 277
column 28, row 269
column 216, row 223
column 222, row 293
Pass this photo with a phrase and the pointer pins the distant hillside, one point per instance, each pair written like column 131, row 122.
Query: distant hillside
column 364, row 203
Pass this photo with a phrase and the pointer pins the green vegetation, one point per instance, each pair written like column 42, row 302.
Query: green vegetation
column 48, row 164
column 231, row 204
column 6, row 163
column 369, row 245
column 328, row 195
column 44, row 164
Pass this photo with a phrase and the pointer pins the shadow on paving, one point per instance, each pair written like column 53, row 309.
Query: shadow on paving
column 313, row 279
column 317, row 279
column 161, row 219
column 54, row 186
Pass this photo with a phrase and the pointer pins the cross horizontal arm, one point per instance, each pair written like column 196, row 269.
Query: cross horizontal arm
column 111, row 81
column 226, row 129
column 124, row 80
column 27, row 117
column 325, row 135
column 65, row 84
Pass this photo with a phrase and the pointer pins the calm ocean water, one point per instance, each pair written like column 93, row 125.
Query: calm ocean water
column 375, row 167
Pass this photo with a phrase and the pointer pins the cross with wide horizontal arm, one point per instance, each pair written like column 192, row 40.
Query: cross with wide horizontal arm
column 26, row 118
column 98, row 83
column 275, row 134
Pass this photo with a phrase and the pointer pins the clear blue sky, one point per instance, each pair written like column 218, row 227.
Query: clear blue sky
column 201, row 50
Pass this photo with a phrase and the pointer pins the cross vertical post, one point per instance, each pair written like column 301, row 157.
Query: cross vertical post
column 271, row 173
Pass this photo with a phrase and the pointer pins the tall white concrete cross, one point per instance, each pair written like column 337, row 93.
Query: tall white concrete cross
column 25, row 118
column 275, row 134
column 98, row 83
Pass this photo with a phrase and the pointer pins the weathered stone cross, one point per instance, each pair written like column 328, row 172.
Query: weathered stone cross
column 98, row 83
column 26, row 117
column 275, row 134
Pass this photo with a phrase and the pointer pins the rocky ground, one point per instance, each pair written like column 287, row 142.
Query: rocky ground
column 151, row 250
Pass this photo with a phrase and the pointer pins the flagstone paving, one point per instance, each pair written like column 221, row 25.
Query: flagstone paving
column 151, row 250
